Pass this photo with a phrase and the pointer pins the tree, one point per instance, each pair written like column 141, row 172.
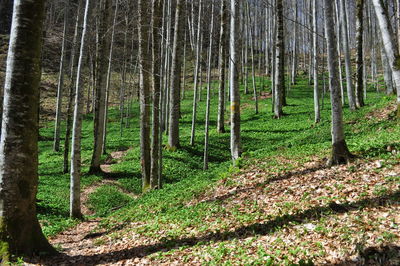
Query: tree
column 209, row 65
column 60, row 88
column 145, row 70
column 234, row 82
column 75, row 191
column 196, row 75
column 317, row 110
column 360, row 53
column 175, row 88
column 340, row 152
column 101, row 84
column 390, row 46
column 221, row 67
column 156, row 151
column 347, row 56
column 20, row 232
column 279, row 62
column 73, row 65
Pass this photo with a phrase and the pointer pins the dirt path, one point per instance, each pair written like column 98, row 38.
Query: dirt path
column 73, row 242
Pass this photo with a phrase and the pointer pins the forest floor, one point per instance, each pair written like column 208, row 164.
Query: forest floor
column 281, row 206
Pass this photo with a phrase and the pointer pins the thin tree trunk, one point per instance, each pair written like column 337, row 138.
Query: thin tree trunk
column 221, row 67
column 317, row 111
column 340, row 152
column 75, row 197
column 347, row 56
column 208, row 101
column 234, row 82
column 71, row 95
column 108, row 82
column 101, row 85
column 279, row 62
column 360, row 54
column 145, row 70
column 196, row 76
column 175, row 88
column 60, row 89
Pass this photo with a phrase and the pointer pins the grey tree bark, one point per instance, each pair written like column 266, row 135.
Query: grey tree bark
column 221, row 67
column 103, row 47
column 208, row 101
column 60, row 89
column 390, row 46
column 108, row 82
column 74, row 62
column 20, row 232
column 347, row 57
column 340, row 152
column 156, row 171
column 145, row 70
column 360, row 53
column 196, row 75
column 317, row 111
column 175, row 88
column 234, row 68
column 75, row 190
column 279, row 63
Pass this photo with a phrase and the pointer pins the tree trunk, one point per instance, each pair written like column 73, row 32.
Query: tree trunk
column 279, row 62
column 75, row 197
column 155, row 171
column 221, row 67
column 340, row 152
column 108, row 83
column 234, row 82
column 390, row 46
column 196, row 75
column 208, row 101
column 317, row 111
column 347, row 56
column 60, row 89
column 175, row 88
column 360, row 54
column 20, row 232
column 73, row 62
column 101, row 84
column 145, row 70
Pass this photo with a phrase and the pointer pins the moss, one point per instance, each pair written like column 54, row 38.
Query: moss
column 4, row 246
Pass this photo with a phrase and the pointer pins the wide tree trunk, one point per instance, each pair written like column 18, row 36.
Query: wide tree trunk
column 145, row 71
column 390, row 46
column 75, row 190
column 340, row 152
column 234, row 67
column 175, row 88
column 20, row 232
column 103, row 47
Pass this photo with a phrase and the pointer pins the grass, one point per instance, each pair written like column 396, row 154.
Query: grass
column 264, row 139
